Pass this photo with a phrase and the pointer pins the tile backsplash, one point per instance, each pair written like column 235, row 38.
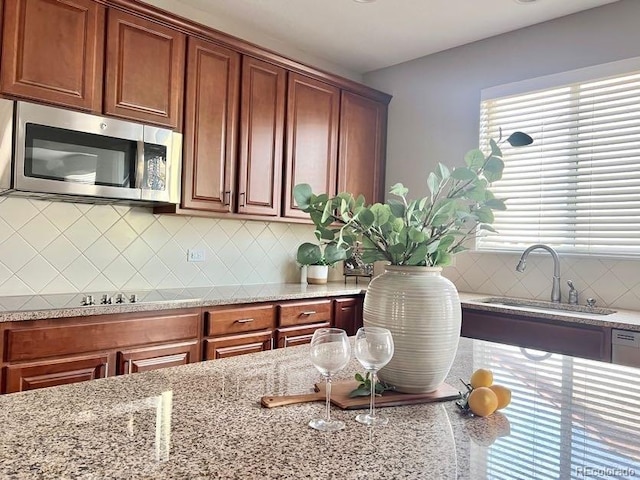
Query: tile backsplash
column 55, row 247
column 612, row 282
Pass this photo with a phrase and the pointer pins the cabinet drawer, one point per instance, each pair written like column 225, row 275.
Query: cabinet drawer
column 238, row 320
column 109, row 332
column 301, row 313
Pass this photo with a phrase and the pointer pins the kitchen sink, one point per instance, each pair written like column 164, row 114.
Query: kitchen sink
column 539, row 304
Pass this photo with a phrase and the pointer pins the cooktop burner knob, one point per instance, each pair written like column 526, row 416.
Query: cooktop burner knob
column 88, row 300
column 133, row 298
column 119, row 298
column 106, row 300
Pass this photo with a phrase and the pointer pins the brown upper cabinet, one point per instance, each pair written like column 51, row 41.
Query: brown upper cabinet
column 362, row 145
column 211, row 112
column 144, row 70
column 255, row 123
column 312, row 138
column 261, row 137
column 53, row 51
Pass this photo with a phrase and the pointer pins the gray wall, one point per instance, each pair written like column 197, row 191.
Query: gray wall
column 434, row 116
column 434, row 113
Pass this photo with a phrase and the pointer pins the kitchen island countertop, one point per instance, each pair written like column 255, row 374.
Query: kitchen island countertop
column 568, row 417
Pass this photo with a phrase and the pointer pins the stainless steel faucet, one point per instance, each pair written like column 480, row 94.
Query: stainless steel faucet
column 555, row 288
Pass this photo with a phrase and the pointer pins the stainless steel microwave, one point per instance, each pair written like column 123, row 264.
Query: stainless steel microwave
column 61, row 154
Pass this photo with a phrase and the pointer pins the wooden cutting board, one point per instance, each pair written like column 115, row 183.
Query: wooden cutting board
column 340, row 397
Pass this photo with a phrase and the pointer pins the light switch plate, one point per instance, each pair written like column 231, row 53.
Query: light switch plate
column 195, row 255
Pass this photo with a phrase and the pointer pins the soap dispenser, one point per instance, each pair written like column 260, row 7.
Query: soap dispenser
column 573, row 293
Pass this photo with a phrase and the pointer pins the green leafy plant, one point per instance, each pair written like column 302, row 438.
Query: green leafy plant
column 426, row 231
column 364, row 386
column 323, row 254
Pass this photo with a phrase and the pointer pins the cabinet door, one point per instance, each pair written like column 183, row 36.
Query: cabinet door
column 53, row 51
column 363, row 125
column 347, row 314
column 232, row 345
column 312, row 139
column 144, row 359
column 292, row 336
column 50, row 373
column 144, row 70
column 261, row 137
column 211, row 110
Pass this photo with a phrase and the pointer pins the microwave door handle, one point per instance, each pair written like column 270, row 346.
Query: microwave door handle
column 139, row 171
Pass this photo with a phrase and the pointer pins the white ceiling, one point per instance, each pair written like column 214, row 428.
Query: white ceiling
column 362, row 37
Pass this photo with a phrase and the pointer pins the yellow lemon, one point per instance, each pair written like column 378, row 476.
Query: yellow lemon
column 503, row 394
column 481, row 378
column 482, row 401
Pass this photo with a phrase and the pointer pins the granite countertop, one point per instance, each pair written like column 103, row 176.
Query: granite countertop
column 34, row 307
column 568, row 417
column 624, row 319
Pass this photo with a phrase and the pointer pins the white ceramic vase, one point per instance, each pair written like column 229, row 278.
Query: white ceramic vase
column 422, row 310
column 317, row 274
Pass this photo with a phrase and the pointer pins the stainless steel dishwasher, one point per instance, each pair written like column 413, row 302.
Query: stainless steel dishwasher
column 625, row 347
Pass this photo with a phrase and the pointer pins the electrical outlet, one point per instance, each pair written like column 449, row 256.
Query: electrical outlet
column 195, row 255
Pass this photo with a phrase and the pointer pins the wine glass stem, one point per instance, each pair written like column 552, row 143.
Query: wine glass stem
column 328, row 397
column 372, row 408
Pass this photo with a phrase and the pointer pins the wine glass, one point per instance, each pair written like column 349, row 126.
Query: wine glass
column 373, row 349
column 330, row 353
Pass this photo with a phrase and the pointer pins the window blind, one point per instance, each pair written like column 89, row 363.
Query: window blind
column 577, row 188
column 570, row 417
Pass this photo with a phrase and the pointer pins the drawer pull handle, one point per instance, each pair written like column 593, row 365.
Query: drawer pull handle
column 245, row 320
column 307, row 313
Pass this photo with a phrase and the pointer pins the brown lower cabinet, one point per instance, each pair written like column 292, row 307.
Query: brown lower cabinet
column 239, row 329
column 347, row 314
column 575, row 339
column 44, row 353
